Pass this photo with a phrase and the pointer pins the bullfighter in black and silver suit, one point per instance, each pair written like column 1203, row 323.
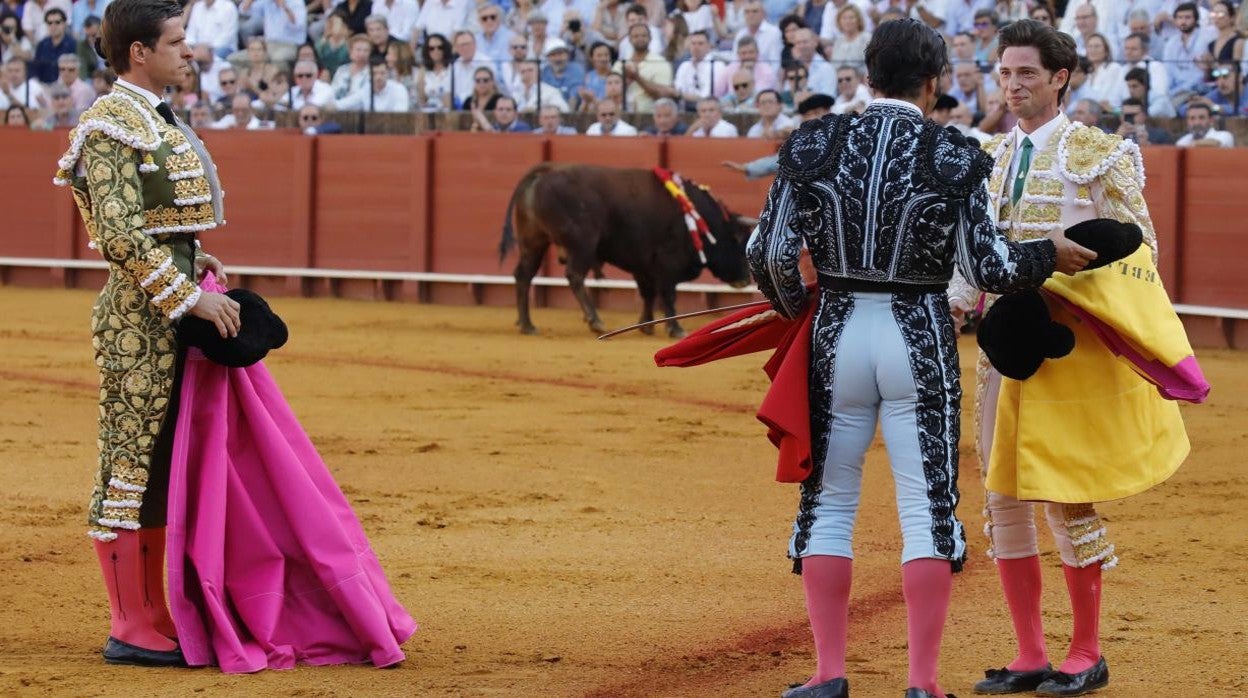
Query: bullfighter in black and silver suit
column 887, row 203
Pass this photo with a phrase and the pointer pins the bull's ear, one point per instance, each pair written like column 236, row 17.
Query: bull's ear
column 746, row 221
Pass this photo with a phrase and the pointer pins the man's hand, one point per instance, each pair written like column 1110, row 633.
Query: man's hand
column 734, row 166
column 205, row 263
column 220, row 310
column 1071, row 256
column 959, row 309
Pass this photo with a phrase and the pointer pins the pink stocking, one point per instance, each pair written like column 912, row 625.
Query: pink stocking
column 927, row 584
column 1084, row 586
column 826, row 579
column 121, row 563
column 1020, row 579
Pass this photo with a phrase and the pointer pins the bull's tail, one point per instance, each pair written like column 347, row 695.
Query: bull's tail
column 509, row 231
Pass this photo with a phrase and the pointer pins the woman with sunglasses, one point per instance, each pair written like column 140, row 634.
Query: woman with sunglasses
column 1228, row 45
column 484, row 91
column 433, row 84
column 13, row 41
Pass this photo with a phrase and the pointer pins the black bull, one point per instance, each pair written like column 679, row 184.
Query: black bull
column 623, row 217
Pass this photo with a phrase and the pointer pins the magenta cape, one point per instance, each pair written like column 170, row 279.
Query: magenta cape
column 268, row 565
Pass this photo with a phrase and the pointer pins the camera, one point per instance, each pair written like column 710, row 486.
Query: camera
column 574, row 25
column 262, row 85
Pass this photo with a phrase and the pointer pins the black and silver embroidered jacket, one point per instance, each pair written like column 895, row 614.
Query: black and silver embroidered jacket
column 888, row 197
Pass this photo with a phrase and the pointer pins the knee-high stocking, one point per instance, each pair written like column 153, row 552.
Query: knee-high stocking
column 152, row 550
column 1020, row 580
column 927, row 584
column 121, row 563
column 826, row 579
column 1084, row 586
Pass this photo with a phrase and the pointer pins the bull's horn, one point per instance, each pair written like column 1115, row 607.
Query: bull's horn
column 747, row 221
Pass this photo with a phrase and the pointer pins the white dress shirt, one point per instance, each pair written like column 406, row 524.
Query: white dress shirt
column 446, row 16
column 527, row 97
column 721, row 129
column 782, row 122
column 392, row 98
column 770, row 42
column 699, row 77
column 1039, row 139
column 214, row 24
column 322, row 96
column 622, row 128
column 1223, row 137
column 400, row 17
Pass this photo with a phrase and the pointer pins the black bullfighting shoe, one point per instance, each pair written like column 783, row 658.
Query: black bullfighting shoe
column 1002, row 681
column 118, row 652
column 835, row 688
column 920, row 693
column 1063, row 684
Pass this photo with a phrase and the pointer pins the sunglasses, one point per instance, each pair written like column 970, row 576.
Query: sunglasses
column 436, row 47
column 740, row 85
column 305, row 75
column 66, row 68
column 983, row 24
column 842, row 81
column 485, row 18
column 309, row 117
column 482, row 81
column 607, row 113
column 226, row 82
column 1221, row 72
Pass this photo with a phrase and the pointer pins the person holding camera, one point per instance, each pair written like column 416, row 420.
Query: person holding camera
column 1135, row 126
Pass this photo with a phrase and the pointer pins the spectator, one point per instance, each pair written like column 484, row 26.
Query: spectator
column 17, row 89
column 986, row 25
column 601, row 56
column 550, row 122
column 1135, row 126
column 13, row 41
column 763, row 75
column 256, row 67
column 960, row 15
column 609, row 122
column 963, row 48
column 102, row 82
column 355, row 12
column 353, row 76
column 852, row 97
column 821, row 77
column 312, row 121
column 794, row 89
column 766, row 35
column 942, row 110
column 62, row 113
column 648, row 74
column 1085, row 23
column 695, row 78
column 1227, row 97
column 378, row 32
column 1106, row 79
column 1228, row 46
column 1139, row 87
column 89, row 62
column 215, row 23
column 465, row 66
column 400, row 16
column 666, row 119
column 274, row 97
column 434, row 81
column 494, row 38
column 285, row 25
column 519, row 51
column 445, row 17
column 227, row 80
column 401, row 63
column 1200, row 130
column 485, row 91
column 533, row 93
column 996, row 118
column 741, row 99
column 55, row 44
column 1043, row 11
column 789, row 26
column 614, row 90
column 575, row 36
column 334, row 47
column 518, row 16
column 968, row 87
column 506, row 118
column 241, row 116
column 81, row 94
column 772, row 123
column 309, row 89
column 1078, row 87
column 710, row 122
column 1181, row 55
column 1140, row 22
column 702, row 17
column 810, row 108
column 850, row 44
column 34, row 17
column 610, row 22
column 1135, row 50
column 1088, row 112
column 81, row 10
column 201, row 116
column 633, row 16
column 16, row 116
column 382, row 95
column 537, row 34
column 561, row 73
column 209, row 68
column 185, row 94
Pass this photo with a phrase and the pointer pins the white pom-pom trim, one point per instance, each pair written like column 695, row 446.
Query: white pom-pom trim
column 156, row 274
column 189, row 201
column 177, row 281
column 186, row 305
column 103, row 536
column 117, row 523
column 121, row 504
column 187, row 174
column 125, row 486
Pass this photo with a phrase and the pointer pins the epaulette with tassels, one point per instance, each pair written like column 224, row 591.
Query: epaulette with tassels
column 120, row 117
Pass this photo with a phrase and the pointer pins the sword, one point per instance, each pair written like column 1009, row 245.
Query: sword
column 696, row 313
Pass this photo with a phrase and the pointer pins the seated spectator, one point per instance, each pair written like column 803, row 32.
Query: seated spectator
column 517, row 18
column 13, row 40
column 16, row 116
column 310, row 90
column 434, row 82
column 1078, row 88
column 576, row 37
column 465, row 66
column 560, row 72
column 383, row 94
column 772, row 123
column 741, row 99
column 16, row 88
column 444, row 17
column 506, row 118
column 849, row 45
column 608, row 22
column 702, row 17
column 209, row 68
column 57, row 43
column 1105, row 80
column 1088, row 112
column 821, row 76
column 401, row 63
column 594, row 88
column 649, row 74
column 1182, row 51
column 636, row 15
column 666, row 119
column 538, row 37
column 354, row 13
column 614, row 91
column 810, row 108
column 312, row 121
column 852, row 97
column 400, row 18
column 1135, row 126
column 227, row 79
column 695, row 78
column 1200, row 130
column 533, row 94
column 968, row 85
column 241, row 116
column 609, row 122
column 213, row 23
column 1135, row 57
column 377, row 29
column 82, row 94
column 766, row 37
column 508, row 76
column 961, row 118
column 285, row 25
column 256, row 66
column 201, row 117
column 62, row 113
column 484, row 91
column 89, row 62
column 1139, row 86
column 1227, row 94
column 1228, row 45
column 1043, row 12
column 33, row 14
column 710, row 121
column 186, row 93
column 274, row 97
column 962, row 48
column 550, row 123
column 494, row 38
column 794, row 88
column 764, row 76
column 353, row 76
column 986, row 27
column 333, row 49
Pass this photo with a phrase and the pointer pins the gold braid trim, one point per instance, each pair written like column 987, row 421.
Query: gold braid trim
column 1087, row 535
column 117, row 116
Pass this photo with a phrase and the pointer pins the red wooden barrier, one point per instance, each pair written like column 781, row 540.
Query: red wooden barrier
column 1215, row 228
column 1162, row 184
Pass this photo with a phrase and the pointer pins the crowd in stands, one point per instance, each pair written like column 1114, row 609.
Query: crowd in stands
column 681, row 66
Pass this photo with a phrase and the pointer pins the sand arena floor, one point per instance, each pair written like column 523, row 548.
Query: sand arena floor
column 565, row 519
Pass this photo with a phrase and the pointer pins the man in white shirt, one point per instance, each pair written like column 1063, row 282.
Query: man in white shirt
column 67, row 70
column 445, row 17
column 209, row 69
column 634, row 15
column 648, row 75
column 609, row 122
column 765, row 34
column 285, row 25
column 772, row 123
column 695, row 78
column 550, row 122
column 84, row 9
column 494, row 39
column 968, row 86
column 215, row 23
column 464, row 69
column 241, row 116
column 851, row 95
column 710, row 122
column 1076, row 21
column 1200, row 130
column 17, row 89
column 820, row 76
column 309, row 90
column 384, row 94
column 531, row 92
column 960, row 14
column 400, row 17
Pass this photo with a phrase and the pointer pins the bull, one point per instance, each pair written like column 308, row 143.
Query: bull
column 623, row 217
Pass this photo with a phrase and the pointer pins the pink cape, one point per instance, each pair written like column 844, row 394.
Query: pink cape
column 268, row 565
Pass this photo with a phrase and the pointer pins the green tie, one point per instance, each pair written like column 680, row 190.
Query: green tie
column 1024, row 164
